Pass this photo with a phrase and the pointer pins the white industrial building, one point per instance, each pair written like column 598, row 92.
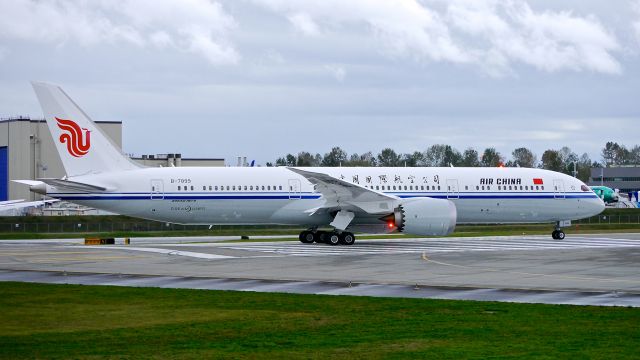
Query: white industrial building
column 27, row 152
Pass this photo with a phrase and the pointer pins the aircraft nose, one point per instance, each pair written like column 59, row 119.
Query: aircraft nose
column 596, row 206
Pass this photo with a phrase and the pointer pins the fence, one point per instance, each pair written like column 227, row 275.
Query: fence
column 152, row 226
column 80, row 227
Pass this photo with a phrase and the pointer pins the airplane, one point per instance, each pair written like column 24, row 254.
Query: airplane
column 607, row 194
column 423, row 201
column 10, row 205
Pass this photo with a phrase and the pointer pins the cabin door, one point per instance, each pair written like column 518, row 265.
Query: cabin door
column 558, row 189
column 157, row 189
column 294, row 189
column 452, row 189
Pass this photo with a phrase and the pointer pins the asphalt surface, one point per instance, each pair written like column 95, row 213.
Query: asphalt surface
column 582, row 269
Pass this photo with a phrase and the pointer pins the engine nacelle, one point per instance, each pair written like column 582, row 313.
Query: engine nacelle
column 426, row 216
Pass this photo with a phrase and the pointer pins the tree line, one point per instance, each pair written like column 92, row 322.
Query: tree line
column 562, row 160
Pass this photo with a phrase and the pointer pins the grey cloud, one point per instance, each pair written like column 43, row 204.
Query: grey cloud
column 491, row 34
column 197, row 26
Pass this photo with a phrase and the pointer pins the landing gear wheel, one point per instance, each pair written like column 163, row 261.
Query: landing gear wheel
column 347, row 238
column 320, row 237
column 558, row 235
column 333, row 238
column 307, row 237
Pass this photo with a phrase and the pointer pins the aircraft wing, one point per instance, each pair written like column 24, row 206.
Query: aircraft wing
column 9, row 202
column 343, row 195
column 19, row 204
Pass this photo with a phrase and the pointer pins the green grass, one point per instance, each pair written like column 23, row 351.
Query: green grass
column 622, row 221
column 461, row 230
column 72, row 321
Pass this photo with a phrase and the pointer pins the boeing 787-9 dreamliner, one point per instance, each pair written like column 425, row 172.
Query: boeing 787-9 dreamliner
column 340, row 200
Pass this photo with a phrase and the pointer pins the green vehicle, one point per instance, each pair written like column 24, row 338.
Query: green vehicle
column 607, row 194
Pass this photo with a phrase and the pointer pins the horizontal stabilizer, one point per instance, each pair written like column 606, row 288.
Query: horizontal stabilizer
column 28, row 182
column 73, row 185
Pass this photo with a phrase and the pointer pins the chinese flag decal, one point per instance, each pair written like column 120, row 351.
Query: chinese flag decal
column 537, row 182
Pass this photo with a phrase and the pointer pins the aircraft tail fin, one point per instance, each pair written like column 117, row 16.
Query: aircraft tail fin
column 82, row 146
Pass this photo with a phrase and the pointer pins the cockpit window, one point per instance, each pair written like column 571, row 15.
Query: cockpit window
column 585, row 188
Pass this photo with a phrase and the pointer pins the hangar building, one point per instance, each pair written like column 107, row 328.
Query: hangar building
column 27, row 152
column 625, row 178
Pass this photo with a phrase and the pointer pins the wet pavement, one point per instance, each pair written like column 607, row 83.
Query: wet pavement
column 601, row 269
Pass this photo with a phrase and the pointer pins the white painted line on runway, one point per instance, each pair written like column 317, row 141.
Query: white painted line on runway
column 163, row 251
column 432, row 245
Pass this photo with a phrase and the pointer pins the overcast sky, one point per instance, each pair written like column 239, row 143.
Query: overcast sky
column 262, row 78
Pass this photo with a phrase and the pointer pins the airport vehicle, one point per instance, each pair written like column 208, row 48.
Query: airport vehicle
column 607, row 194
column 419, row 201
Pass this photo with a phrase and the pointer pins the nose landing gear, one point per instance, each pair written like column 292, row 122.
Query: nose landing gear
column 558, row 234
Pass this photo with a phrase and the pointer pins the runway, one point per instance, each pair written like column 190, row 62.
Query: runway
column 582, row 269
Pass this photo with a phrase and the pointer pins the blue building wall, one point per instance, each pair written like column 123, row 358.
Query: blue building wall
column 4, row 174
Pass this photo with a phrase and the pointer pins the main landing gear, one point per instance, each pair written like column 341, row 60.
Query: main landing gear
column 558, row 234
column 328, row 237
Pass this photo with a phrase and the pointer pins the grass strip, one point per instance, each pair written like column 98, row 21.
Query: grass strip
column 74, row 321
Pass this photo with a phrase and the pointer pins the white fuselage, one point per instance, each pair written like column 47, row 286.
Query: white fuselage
column 266, row 195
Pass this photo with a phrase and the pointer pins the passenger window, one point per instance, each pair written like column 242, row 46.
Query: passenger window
column 377, row 187
column 204, row 188
column 542, row 187
column 488, row 187
column 251, row 187
column 178, row 187
column 510, row 188
column 536, row 187
column 421, row 187
column 245, row 188
column 520, row 187
column 438, row 187
column 227, row 187
column 482, row 187
column 499, row 187
column 262, row 187
column 477, row 187
column 280, row 187
column 216, row 188
column 191, row 187
column 233, row 188
column 269, row 188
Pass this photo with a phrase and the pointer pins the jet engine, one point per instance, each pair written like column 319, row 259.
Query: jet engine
column 425, row 216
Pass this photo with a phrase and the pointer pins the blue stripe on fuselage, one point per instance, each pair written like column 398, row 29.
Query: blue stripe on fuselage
column 307, row 196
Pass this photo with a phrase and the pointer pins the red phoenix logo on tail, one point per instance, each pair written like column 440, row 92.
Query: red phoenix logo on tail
column 78, row 140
